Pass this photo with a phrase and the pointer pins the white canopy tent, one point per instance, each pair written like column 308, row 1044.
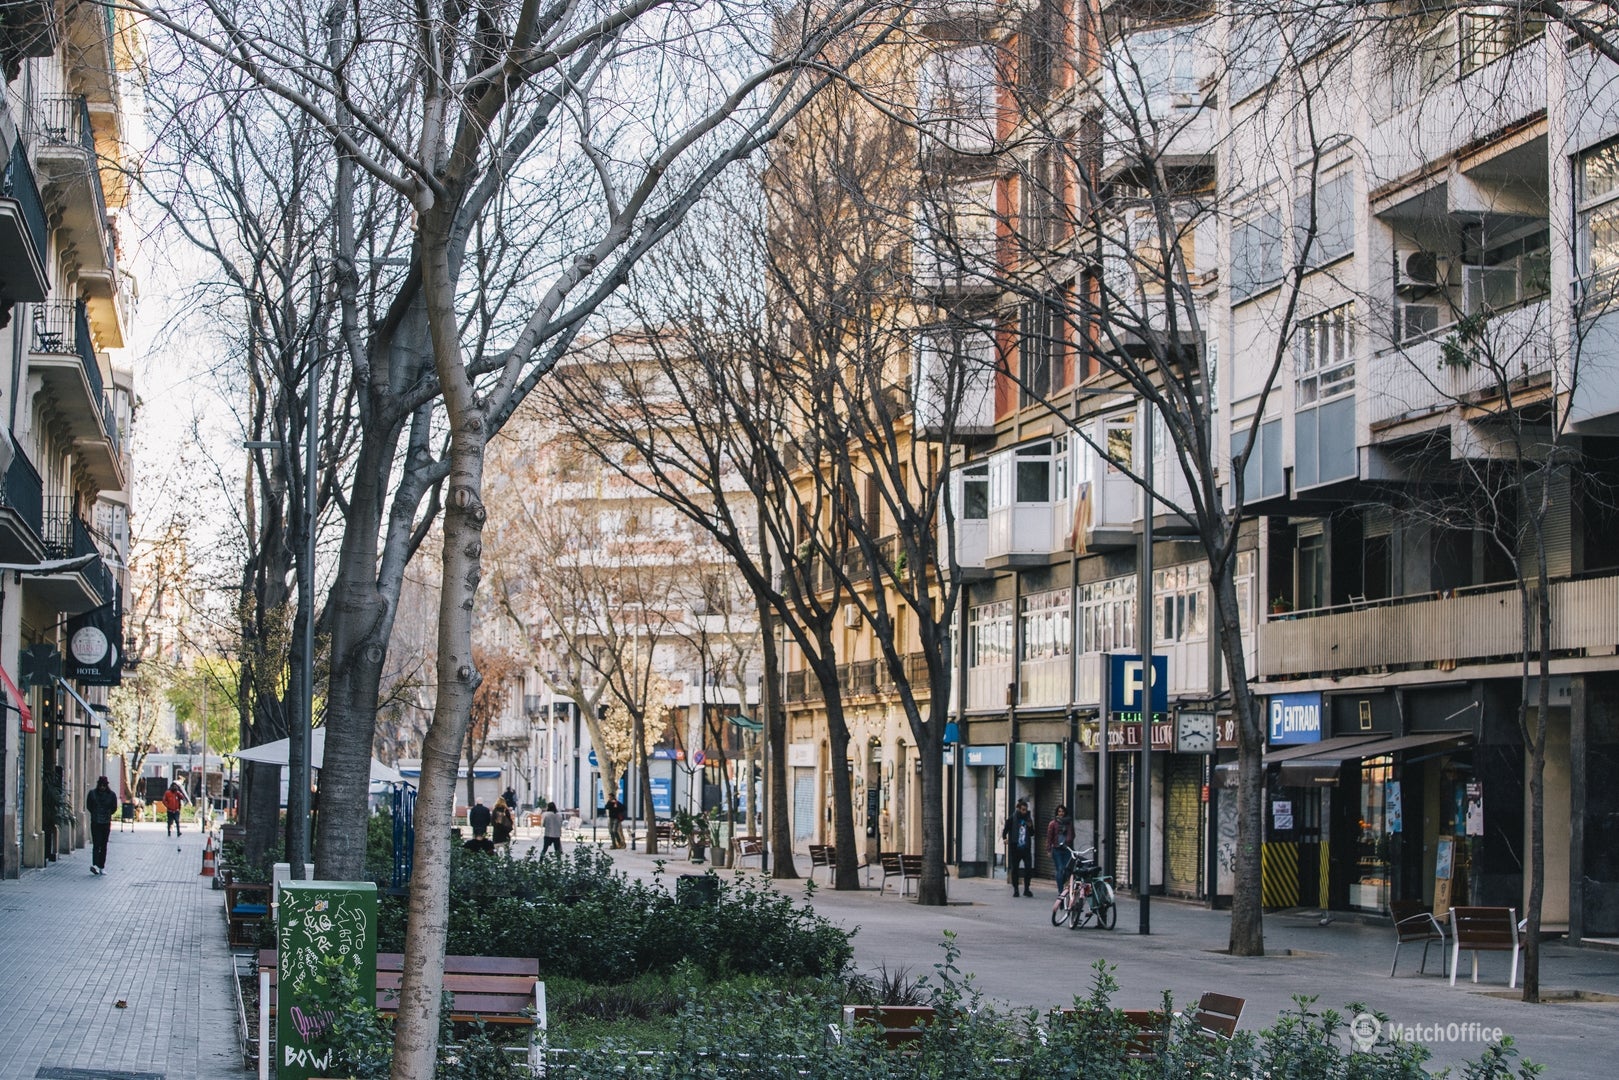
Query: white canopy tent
column 276, row 753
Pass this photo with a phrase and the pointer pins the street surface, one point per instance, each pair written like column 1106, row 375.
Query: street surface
column 151, row 934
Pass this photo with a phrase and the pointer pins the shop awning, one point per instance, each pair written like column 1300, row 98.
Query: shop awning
column 1310, row 764
column 1415, row 742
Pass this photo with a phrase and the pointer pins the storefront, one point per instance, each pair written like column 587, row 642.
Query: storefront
column 983, row 808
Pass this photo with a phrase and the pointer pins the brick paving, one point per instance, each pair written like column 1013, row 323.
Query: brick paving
column 150, row 933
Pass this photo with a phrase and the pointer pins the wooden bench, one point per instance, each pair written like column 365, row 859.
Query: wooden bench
column 1217, row 1014
column 910, row 868
column 747, row 847
column 1484, row 929
column 823, row 855
column 1146, row 1031
column 896, row 1025
column 496, row 990
column 1413, row 922
column 247, row 906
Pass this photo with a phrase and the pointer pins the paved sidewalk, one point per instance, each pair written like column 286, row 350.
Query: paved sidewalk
column 1016, row 956
column 149, row 933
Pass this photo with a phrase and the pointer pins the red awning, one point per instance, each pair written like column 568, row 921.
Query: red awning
column 20, row 702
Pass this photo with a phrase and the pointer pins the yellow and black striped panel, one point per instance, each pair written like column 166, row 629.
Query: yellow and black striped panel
column 1279, row 874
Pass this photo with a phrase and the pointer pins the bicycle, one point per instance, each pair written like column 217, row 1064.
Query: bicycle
column 1086, row 894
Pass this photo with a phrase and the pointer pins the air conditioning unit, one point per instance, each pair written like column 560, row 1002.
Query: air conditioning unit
column 1417, row 271
column 851, row 616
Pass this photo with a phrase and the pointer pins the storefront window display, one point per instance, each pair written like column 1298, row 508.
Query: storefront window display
column 1369, row 883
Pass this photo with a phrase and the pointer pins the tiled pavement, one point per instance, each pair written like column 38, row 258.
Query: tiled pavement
column 149, row 933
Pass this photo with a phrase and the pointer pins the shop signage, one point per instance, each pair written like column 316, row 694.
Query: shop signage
column 802, row 755
column 1226, row 733
column 663, row 754
column 1295, row 719
column 319, row 923
column 1126, row 736
column 1126, row 679
column 979, row 756
column 1033, row 758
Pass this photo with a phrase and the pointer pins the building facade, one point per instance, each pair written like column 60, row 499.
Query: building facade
column 64, row 509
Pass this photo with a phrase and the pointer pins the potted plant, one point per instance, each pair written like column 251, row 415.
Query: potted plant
column 1280, row 605
column 694, row 827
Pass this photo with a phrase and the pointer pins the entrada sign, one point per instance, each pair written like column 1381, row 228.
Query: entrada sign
column 1295, row 719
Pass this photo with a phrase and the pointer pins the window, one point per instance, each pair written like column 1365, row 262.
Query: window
column 1597, row 188
column 1121, row 435
column 1488, row 34
column 1256, row 255
column 1334, row 220
column 990, row 634
column 1041, row 471
column 957, row 233
column 956, row 102
column 975, row 492
column 1041, row 350
column 1325, row 356
column 1311, row 588
column 1180, row 603
column 1047, row 625
column 1255, row 54
column 1107, row 615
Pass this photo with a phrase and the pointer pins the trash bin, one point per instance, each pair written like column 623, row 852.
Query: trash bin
column 697, row 890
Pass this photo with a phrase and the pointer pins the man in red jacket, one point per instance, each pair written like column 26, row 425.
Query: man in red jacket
column 173, row 799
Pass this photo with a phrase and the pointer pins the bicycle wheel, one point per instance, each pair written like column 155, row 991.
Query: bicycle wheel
column 1080, row 912
column 1059, row 909
column 1107, row 914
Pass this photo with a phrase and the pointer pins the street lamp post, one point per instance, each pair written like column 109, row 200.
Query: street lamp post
column 1144, row 636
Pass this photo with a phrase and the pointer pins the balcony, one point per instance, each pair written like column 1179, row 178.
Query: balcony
column 66, row 537
column 1415, row 380
column 1161, row 77
column 24, row 232
column 29, row 30
column 1026, row 534
column 65, row 152
column 987, row 687
column 963, row 20
column 64, row 357
column 1467, row 626
column 954, row 392
column 972, row 541
column 1044, row 683
column 22, row 511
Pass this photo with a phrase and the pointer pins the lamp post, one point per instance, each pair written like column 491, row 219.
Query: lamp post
column 1144, row 637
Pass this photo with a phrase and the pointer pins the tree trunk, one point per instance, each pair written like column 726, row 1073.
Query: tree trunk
column 362, row 620
column 781, row 829
column 1247, row 910
column 847, row 874
column 416, row 1030
column 1537, row 772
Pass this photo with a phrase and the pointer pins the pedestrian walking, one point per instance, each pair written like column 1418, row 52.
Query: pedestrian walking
column 500, row 820
column 1018, row 832
column 615, row 821
column 551, row 826
column 479, row 820
column 173, row 799
column 101, row 803
column 510, row 795
column 1060, row 842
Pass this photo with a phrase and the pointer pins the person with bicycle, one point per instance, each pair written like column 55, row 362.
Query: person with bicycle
column 1060, row 842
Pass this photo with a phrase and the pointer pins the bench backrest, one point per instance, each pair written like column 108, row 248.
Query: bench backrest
column 890, row 862
column 897, row 1024
column 1413, row 921
column 1218, row 1013
column 1485, row 927
column 911, row 865
column 822, row 855
column 495, row 988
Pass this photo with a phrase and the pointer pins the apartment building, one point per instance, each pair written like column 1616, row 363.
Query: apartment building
column 1441, row 438
column 64, row 502
column 596, row 572
column 1388, row 275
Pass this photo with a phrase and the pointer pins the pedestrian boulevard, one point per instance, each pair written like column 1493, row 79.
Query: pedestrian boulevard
column 148, row 934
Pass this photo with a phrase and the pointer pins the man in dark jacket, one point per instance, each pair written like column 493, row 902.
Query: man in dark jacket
column 1018, row 832
column 101, row 803
column 479, row 820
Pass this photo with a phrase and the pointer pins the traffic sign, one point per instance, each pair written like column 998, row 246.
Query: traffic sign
column 698, row 757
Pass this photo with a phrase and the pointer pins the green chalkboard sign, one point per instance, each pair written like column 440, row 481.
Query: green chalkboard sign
column 317, row 923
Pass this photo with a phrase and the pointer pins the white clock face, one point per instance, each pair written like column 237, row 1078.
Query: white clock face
column 1196, row 734
column 89, row 645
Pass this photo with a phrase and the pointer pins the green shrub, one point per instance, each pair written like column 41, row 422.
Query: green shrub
column 584, row 919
